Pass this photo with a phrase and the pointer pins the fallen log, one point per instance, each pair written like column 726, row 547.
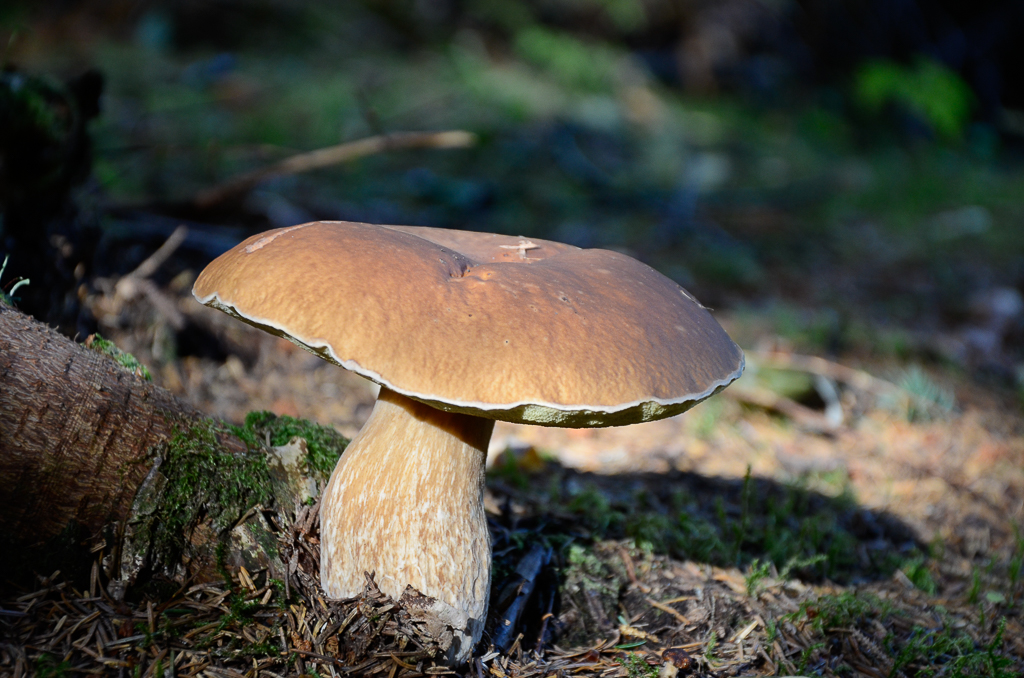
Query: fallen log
column 95, row 458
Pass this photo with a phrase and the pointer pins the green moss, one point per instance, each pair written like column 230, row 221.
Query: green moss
column 325, row 445
column 945, row 649
column 573, row 62
column 929, row 90
column 756, row 573
column 650, row 530
column 198, row 465
column 1016, row 563
column 928, row 399
column 589, row 569
column 807, row 655
column 126, row 360
column 240, row 613
column 201, row 482
column 264, row 649
column 771, row 628
column 592, row 579
column 709, row 649
column 699, row 537
column 595, row 511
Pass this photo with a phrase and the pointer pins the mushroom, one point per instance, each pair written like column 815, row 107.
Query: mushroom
column 460, row 329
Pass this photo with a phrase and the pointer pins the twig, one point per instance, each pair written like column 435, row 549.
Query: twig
column 627, row 561
column 138, row 282
column 153, row 262
column 320, row 658
column 665, row 608
column 332, row 155
column 548, row 616
column 801, row 415
column 858, row 379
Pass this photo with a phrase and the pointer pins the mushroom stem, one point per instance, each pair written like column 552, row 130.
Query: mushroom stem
column 406, row 502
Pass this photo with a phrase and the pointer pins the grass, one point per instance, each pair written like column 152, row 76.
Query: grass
column 916, row 569
column 806, row 655
column 1016, row 563
column 931, row 652
column 7, row 297
column 636, row 666
column 843, row 610
column 709, row 648
column 776, row 533
column 756, row 574
column 592, row 572
column 928, row 399
column 48, row 666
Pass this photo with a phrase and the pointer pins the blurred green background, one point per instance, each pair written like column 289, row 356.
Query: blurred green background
column 847, row 174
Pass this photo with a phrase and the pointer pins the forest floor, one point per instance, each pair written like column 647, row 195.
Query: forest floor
column 753, row 535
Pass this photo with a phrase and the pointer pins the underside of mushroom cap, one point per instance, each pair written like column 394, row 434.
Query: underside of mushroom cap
column 507, row 328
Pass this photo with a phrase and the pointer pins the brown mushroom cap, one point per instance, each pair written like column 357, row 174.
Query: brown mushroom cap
column 527, row 331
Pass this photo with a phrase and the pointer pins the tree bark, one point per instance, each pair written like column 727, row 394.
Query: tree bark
column 95, row 459
column 77, row 432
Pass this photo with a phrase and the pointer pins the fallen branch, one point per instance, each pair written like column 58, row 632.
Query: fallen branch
column 154, row 261
column 822, row 369
column 115, row 294
column 668, row 610
column 802, row 416
column 854, row 378
column 332, row 155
